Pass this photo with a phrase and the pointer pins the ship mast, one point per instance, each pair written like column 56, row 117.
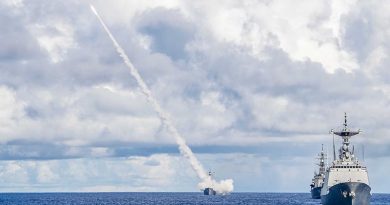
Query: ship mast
column 322, row 157
column 344, row 153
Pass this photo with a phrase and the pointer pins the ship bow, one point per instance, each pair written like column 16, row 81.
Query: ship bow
column 348, row 193
column 316, row 193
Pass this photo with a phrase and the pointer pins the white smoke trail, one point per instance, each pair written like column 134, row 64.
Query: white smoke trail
column 224, row 186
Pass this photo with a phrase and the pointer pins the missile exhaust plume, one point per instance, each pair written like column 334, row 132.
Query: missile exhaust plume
column 222, row 187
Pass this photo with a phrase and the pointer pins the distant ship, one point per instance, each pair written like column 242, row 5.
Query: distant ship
column 318, row 179
column 346, row 180
column 209, row 190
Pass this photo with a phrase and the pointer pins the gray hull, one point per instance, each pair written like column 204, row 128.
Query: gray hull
column 348, row 193
column 209, row 191
column 316, row 193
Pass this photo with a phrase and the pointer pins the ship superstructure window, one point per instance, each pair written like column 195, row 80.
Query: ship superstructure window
column 347, row 167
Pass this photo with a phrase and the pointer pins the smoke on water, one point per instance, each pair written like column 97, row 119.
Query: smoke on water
column 222, row 187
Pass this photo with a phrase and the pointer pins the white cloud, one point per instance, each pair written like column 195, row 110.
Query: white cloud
column 81, row 118
column 13, row 3
column 100, row 152
column 309, row 31
column 86, row 101
column 13, row 173
column 110, row 174
column 45, row 173
column 11, row 112
column 56, row 36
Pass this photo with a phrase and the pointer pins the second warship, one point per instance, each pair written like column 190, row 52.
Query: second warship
column 318, row 179
column 209, row 190
column 346, row 180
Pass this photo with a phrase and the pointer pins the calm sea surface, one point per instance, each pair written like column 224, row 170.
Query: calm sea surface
column 166, row 198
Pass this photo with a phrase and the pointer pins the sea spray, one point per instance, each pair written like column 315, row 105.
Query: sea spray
column 222, row 187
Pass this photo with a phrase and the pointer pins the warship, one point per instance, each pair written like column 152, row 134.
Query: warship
column 346, row 180
column 209, row 190
column 318, row 179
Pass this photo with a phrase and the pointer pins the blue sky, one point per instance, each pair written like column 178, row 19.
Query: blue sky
column 253, row 86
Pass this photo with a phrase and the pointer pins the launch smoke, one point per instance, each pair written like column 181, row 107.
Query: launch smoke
column 222, row 187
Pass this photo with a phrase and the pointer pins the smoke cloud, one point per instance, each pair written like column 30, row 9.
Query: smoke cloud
column 222, row 187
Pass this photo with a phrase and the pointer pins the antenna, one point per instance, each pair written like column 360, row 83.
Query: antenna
column 345, row 121
column 334, row 149
column 327, row 158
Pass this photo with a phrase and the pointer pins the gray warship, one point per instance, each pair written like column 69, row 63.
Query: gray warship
column 318, row 179
column 346, row 180
column 209, row 190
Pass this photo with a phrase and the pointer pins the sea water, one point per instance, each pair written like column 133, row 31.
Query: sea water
column 168, row 198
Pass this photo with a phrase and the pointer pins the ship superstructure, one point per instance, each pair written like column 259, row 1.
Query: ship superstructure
column 346, row 180
column 318, row 179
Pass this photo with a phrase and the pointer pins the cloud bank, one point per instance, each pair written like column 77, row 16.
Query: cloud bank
column 255, row 78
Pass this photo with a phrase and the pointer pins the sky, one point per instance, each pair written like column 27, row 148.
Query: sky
column 253, row 86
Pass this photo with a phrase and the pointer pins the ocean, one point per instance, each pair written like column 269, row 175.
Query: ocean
column 167, row 198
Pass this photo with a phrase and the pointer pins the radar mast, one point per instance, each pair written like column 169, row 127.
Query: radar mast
column 345, row 133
